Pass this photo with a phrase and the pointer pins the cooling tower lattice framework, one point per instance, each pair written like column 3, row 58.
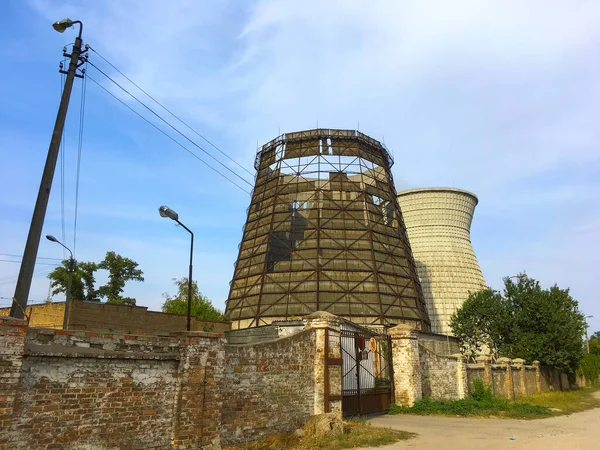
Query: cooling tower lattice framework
column 438, row 222
column 324, row 232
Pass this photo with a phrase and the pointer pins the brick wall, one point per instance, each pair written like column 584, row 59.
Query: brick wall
column 94, row 316
column 438, row 343
column 83, row 389
column 65, row 389
column 270, row 387
column 48, row 315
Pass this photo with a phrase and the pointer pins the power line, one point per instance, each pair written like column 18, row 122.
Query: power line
column 164, row 133
column 170, row 112
column 169, row 124
column 37, row 263
column 43, row 271
column 20, row 256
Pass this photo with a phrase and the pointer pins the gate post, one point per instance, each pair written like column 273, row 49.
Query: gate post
column 328, row 362
column 407, row 365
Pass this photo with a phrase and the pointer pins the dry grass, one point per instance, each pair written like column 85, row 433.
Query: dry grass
column 567, row 402
column 356, row 434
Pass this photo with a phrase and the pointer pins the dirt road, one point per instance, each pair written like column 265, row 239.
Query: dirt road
column 575, row 432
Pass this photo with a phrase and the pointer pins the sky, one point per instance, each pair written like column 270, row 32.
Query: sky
column 500, row 98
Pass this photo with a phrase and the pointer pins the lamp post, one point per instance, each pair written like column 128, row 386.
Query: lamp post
column 587, row 341
column 518, row 276
column 165, row 211
column 23, row 286
column 70, row 279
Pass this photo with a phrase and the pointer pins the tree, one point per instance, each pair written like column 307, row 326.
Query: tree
column 82, row 284
column 202, row 307
column 87, row 270
column 595, row 343
column 526, row 322
column 120, row 270
column 480, row 323
column 547, row 325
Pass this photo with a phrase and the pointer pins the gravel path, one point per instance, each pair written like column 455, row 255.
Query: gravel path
column 575, row 432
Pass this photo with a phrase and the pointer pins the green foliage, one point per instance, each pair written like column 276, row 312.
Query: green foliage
column 589, row 367
column 471, row 407
column 481, row 322
column 120, row 270
column 526, row 322
column 594, row 343
column 202, row 307
column 82, row 284
column 481, row 393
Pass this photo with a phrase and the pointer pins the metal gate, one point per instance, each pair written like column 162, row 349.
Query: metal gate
column 366, row 372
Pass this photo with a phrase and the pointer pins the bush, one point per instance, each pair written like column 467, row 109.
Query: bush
column 481, row 393
column 589, row 367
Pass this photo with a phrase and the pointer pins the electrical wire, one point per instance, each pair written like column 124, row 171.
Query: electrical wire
column 42, row 271
column 170, row 112
column 164, row 133
column 169, row 124
column 39, row 257
column 38, row 264
column 79, row 148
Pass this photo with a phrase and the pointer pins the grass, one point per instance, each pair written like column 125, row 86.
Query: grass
column 356, row 434
column 567, row 402
column 475, row 408
column 536, row 406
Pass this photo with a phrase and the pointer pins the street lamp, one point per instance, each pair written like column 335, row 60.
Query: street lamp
column 518, row 276
column 167, row 212
column 62, row 25
column 32, row 244
column 587, row 342
column 70, row 278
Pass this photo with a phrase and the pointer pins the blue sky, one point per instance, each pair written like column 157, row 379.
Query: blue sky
column 498, row 97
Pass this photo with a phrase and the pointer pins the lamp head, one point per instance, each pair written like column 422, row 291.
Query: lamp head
column 62, row 25
column 51, row 238
column 165, row 211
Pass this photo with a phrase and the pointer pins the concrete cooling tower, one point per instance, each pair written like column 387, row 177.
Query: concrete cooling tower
column 324, row 232
column 438, row 222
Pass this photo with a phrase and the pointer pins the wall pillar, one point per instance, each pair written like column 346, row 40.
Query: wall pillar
column 538, row 375
column 486, row 362
column 462, row 388
column 406, row 364
column 328, row 362
column 12, row 345
column 519, row 364
column 508, row 384
column 197, row 415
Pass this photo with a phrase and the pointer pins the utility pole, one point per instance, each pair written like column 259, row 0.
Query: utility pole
column 19, row 303
column 587, row 341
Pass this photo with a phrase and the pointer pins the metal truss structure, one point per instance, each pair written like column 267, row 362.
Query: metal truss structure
column 324, row 232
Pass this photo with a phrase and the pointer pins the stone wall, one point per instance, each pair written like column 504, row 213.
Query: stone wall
column 420, row 372
column 513, row 378
column 76, row 389
column 442, row 377
column 92, row 316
